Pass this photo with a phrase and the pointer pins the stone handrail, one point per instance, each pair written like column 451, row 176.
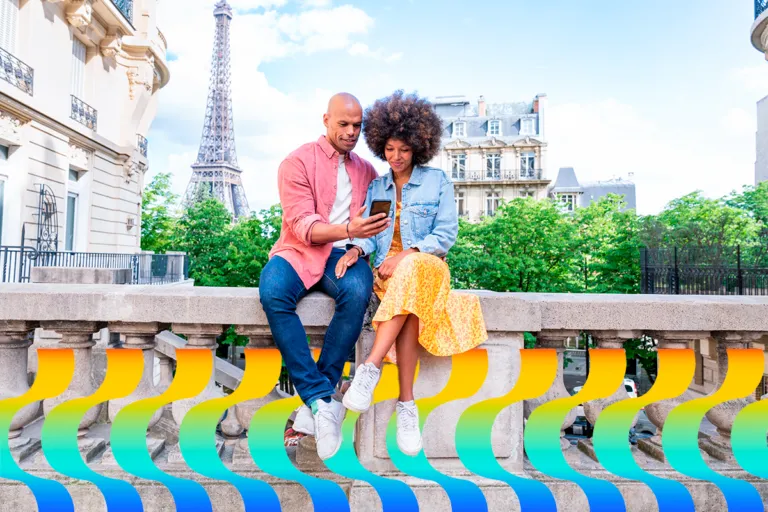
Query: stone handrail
column 142, row 313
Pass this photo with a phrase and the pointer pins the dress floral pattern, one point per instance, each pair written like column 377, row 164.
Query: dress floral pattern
column 449, row 322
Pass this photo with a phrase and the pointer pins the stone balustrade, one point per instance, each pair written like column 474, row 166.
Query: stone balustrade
column 142, row 316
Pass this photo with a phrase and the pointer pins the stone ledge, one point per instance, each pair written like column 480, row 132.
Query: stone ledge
column 504, row 312
column 80, row 275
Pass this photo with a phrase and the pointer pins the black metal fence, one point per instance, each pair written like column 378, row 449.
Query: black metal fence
column 714, row 270
column 16, row 264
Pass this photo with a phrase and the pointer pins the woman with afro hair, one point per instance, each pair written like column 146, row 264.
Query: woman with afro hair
column 411, row 278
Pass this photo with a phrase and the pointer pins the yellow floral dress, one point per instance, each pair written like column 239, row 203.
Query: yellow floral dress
column 449, row 322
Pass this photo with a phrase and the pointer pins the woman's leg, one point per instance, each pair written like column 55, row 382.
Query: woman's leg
column 407, row 356
column 386, row 334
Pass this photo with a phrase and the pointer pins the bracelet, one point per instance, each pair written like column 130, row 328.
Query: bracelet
column 348, row 236
column 359, row 250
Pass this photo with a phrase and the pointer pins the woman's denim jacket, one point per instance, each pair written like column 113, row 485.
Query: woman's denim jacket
column 428, row 219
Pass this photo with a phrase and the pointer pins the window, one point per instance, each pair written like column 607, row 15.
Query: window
column 69, row 235
column 492, row 203
column 459, row 199
column 527, row 166
column 78, row 68
column 459, row 129
column 494, row 127
column 459, row 166
column 9, row 21
column 528, row 126
column 493, row 166
column 74, row 175
column 527, row 193
column 567, row 202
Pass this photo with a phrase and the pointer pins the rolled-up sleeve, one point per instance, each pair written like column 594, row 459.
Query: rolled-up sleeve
column 297, row 199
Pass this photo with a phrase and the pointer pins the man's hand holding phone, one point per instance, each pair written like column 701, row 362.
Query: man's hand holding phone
column 360, row 227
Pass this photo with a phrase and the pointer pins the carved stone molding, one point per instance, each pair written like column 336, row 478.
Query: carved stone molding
column 141, row 75
column 130, row 169
column 79, row 158
column 79, row 13
column 111, row 45
column 10, row 129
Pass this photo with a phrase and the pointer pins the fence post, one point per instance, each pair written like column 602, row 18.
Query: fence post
column 676, row 274
column 644, row 270
column 739, row 275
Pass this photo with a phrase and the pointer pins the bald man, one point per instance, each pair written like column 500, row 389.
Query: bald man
column 322, row 188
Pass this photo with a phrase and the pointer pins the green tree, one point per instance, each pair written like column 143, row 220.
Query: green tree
column 753, row 200
column 203, row 232
column 158, row 215
column 526, row 247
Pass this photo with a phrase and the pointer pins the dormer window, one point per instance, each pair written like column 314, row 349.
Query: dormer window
column 459, row 129
column 528, row 125
column 494, row 128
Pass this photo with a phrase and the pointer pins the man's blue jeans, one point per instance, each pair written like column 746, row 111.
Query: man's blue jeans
column 281, row 289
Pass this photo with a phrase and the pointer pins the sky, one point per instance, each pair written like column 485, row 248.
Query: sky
column 662, row 90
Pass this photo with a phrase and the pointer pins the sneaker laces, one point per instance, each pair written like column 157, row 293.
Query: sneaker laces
column 366, row 379
column 408, row 418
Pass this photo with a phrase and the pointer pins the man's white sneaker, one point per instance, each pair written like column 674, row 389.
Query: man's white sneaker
column 304, row 422
column 359, row 396
column 408, row 435
column 328, row 420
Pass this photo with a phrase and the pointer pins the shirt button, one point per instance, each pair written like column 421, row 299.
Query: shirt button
column 405, row 221
column 408, row 242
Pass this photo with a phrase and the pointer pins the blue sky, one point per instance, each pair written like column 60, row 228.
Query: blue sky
column 662, row 89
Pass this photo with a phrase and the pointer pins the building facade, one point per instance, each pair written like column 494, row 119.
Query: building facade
column 759, row 34
column 492, row 152
column 572, row 194
column 79, row 84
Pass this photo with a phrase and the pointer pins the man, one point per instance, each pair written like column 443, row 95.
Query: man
column 322, row 188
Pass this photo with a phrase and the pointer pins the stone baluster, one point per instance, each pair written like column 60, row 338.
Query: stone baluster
column 166, row 371
column 15, row 340
column 140, row 336
column 258, row 337
column 555, row 340
column 593, row 408
column 723, row 415
column 231, row 427
column 657, row 412
column 200, row 337
column 78, row 336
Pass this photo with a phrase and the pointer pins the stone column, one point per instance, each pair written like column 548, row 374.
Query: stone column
column 657, row 412
column 15, row 340
column 592, row 409
column 78, row 336
column 166, row 371
column 723, row 415
column 200, row 337
column 555, row 340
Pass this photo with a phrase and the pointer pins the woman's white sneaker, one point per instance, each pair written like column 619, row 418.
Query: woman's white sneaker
column 408, row 434
column 359, row 396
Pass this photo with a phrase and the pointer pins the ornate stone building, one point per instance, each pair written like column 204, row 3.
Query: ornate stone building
column 493, row 152
column 79, row 83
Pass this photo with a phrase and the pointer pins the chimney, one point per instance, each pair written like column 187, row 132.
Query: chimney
column 481, row 107
column 536, row 105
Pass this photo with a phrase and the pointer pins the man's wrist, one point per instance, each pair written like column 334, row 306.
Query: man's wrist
column 360, row 251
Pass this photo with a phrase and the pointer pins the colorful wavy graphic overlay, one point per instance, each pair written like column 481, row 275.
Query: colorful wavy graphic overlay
column 681, row 430
column 266, row 440
column 675, row 373
column 129, row 429
column 542, row 431
column 538, row 369
column 468, row 373
column 749, row 433
column 55, row 368
column 197, row 434
column 59, row 434
column 395, row 495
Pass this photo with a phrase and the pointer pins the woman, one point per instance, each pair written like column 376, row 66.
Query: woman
column 410, row 275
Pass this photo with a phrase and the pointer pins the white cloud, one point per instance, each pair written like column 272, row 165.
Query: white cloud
column 316, row 3
column 739, row 123
column 362, row 50
column 753, row 78
column 612, row 139
column 268, row 122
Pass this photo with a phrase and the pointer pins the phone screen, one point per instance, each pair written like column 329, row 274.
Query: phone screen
column 380, row 206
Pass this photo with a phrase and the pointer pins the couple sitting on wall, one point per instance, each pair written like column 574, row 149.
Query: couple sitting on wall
column 337, row 213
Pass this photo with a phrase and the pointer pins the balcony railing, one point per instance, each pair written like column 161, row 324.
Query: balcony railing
column 504, row 175
column 142, row 144
column 84, row 113
column 476, row 406
column 125, row 7
column 760, row 7
column 16, row 73
column 16, row 264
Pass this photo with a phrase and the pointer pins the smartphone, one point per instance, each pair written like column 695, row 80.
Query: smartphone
column 380, row 206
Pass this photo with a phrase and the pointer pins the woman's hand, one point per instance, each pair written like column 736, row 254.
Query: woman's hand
column 387, row 268
column 347, row 261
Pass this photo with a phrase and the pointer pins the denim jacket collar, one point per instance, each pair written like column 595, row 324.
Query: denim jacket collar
column 416, row 177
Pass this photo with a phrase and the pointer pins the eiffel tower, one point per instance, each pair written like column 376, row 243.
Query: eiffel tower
column 216, row 173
